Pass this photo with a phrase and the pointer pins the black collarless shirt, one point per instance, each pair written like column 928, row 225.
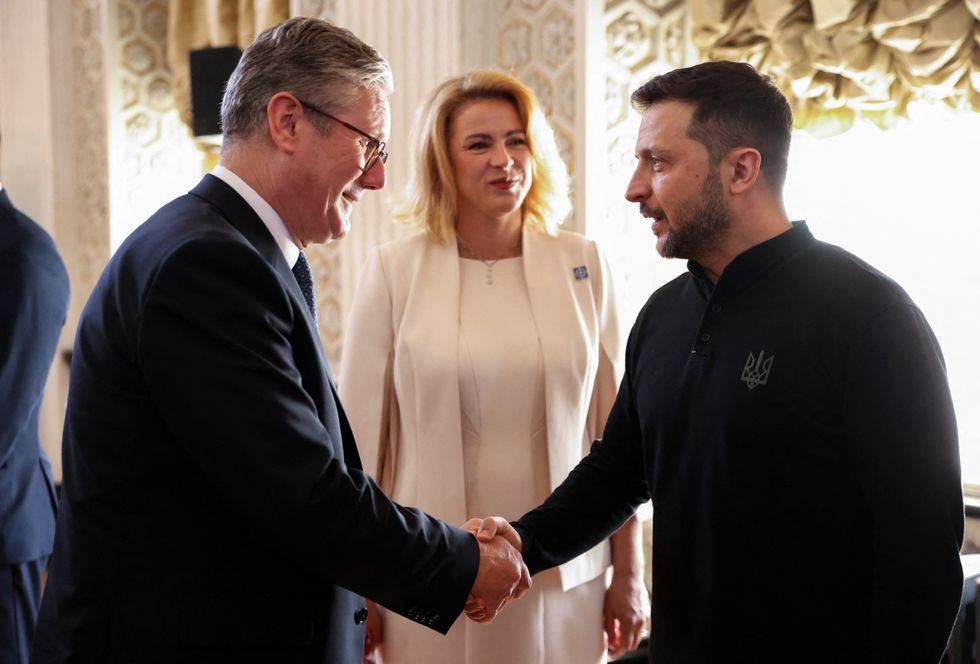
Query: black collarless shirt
column 795, row 432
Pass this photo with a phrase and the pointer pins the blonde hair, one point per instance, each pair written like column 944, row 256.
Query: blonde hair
column 430, row 198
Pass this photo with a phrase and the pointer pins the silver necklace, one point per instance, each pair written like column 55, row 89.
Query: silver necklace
column 488, row 263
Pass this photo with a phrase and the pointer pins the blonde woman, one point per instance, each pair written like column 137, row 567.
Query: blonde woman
column 481, row 360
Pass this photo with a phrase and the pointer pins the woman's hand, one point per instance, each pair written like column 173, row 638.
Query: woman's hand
column 625, row 613
column 627, row 606
column 373, row 633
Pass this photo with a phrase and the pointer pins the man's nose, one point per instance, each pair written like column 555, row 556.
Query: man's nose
column 638, row 188
column 376, row 177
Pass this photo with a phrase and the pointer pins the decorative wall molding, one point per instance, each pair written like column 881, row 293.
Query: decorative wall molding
column 152, row 155
column 642, row 38
column 538, row 42
column 88, row 231
column 326, row 263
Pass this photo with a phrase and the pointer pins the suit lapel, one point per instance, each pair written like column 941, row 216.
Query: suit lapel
column 560, row 319
column 241, row 215
column 432, row 332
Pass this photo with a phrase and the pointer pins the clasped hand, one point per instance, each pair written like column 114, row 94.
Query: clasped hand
column 502, row 575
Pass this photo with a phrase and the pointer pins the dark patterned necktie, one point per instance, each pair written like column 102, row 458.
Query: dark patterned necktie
column 304, row 277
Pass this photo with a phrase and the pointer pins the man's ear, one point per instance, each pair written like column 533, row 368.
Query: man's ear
column 282, row 113
column 745, row 166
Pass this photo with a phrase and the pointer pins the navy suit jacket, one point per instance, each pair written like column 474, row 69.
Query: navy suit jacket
column 33, row 304
column 214, row 508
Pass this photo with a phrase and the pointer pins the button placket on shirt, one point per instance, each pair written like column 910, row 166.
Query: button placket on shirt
column 707, row 323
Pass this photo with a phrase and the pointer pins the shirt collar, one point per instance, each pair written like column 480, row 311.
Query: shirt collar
column 269, row 216
column 758, row 261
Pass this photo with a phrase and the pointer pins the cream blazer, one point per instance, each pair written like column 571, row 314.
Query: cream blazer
column 399, row 376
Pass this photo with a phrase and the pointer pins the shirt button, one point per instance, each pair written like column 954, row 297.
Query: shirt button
column 705, row 337
column 360, row 615
column 716, row 308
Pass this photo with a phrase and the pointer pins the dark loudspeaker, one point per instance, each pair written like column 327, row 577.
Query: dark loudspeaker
column 210, row 70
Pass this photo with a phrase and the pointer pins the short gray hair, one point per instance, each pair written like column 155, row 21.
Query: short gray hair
column 318, row 62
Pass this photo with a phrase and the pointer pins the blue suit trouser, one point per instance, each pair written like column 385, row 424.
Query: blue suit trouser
column 20, row 597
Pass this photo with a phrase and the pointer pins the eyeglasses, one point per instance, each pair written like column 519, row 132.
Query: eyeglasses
column 373, row 151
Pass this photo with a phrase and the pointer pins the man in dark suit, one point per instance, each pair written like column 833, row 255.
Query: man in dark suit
column 214, row 506
column 33, row 304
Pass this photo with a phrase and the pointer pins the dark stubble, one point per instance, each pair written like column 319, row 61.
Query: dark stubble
column 700, row 223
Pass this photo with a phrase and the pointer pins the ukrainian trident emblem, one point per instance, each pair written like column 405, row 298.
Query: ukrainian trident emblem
column 756, row 371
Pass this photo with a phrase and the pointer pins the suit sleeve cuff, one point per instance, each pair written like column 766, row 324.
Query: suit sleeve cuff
column 458, row 581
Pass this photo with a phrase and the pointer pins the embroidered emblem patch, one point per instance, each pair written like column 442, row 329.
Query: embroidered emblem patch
column 756, row 371
column 580, row 272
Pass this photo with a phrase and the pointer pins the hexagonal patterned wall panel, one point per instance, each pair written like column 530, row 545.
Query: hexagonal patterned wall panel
column 91, row 204
column 537, row 43
column 642, row 38
column 152, row 157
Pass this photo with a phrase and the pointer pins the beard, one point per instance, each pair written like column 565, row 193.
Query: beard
column 700, row 223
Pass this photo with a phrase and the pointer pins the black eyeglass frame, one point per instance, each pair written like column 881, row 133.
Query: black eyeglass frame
column 374, row 150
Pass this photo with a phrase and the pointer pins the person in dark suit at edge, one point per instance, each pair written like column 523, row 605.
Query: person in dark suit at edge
column 33, row 305
column 785, row 406
column 214, row 508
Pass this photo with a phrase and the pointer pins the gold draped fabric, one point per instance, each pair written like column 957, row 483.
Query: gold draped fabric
column 837, row 59
column 194, row 24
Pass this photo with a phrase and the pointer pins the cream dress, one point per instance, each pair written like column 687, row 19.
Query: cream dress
column 505, row 460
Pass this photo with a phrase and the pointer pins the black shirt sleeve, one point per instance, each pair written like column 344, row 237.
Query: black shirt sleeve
column 597, row 497
column 898, row 416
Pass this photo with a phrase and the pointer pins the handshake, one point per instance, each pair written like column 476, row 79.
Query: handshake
column 502, row 575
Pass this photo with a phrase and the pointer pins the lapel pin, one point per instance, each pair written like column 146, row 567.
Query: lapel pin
column 580, row 272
